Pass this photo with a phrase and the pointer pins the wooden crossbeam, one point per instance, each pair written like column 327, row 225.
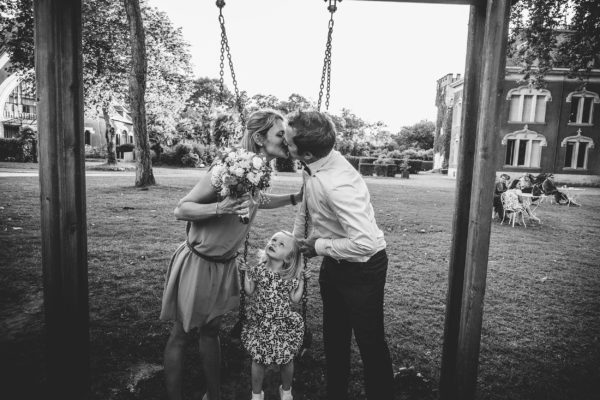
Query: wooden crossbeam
column 463, row 2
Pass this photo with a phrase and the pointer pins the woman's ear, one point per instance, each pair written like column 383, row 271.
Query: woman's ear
column 258, row 139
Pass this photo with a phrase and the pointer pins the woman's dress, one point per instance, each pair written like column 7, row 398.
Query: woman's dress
column 203, row 284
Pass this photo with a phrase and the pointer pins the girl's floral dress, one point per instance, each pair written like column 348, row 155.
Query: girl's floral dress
column 273, row 332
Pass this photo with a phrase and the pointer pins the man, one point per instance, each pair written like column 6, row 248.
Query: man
column 500, row 187
column 353, row 272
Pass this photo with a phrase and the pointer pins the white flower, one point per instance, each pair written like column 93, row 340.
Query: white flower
column 224, row 192
column 253, row 178
column 239, row 172
column 257, row 162
column 232, row 155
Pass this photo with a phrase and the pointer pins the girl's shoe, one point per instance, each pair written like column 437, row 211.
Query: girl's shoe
column 260, row 396
column 285, row 394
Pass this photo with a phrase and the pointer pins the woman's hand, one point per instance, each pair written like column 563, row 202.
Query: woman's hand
column 242, row 266
column 234, row 205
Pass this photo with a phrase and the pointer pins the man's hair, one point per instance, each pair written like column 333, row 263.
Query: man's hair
column 315, row 132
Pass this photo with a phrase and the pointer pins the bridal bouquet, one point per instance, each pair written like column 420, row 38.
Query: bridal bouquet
column 237, row 172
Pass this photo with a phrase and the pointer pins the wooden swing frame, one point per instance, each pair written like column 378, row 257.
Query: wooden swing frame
column 58, row 60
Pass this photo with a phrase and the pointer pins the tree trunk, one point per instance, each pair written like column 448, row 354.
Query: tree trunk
column 109, row 134
column 137, row 90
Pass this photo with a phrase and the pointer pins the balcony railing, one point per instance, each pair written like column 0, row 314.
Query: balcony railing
column 19, row 115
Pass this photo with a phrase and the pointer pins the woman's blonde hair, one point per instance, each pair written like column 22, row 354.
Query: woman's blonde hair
column 294, row 261
column 259, row 122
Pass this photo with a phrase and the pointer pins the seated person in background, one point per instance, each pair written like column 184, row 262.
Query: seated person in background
column 500, row 187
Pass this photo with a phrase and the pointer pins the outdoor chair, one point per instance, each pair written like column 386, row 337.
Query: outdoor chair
column 512, row 207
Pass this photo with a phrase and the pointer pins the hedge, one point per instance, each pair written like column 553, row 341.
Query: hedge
column 354, row 161
column 366, row 169
column 388, row 170
column 15, row 149
column 125, row 148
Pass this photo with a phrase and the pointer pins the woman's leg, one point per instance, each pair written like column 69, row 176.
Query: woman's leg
column 174, row 361
column 258, row 374
column 287, row 374
column 210, row 353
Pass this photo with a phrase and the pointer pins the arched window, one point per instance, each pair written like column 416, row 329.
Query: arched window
column 576, row 154
column 88, row 137
column 528, row 104
column 582, row 107
column 524, row 148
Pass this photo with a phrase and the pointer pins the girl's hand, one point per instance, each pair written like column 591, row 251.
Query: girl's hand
column 234, row 205
column 242, row 266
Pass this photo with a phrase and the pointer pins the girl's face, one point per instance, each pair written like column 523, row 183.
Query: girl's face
column 273, row 143
column 280, row 247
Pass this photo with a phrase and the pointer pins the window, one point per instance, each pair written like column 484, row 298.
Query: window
column 528, row 104
column 118, row 139
column 88, row 137
column 524, row 148
column 130, row 138
column 582, row 107
column 576, row 150
column 11, row 131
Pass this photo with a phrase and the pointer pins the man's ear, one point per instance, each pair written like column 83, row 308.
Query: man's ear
column 308, row 157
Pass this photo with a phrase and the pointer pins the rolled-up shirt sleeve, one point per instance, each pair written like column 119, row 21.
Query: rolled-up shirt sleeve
column 351, row 206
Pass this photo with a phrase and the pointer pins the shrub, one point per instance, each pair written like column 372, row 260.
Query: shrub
column 366, row 169
column 153, row 157
column 11, row 149
column 169, row 157
column 182, row 149
column 125, row 148
column 385, row 170
column 427, row 165
column 367, row 160
column 190, row 160
column 95, row 152
column 414, row 166
column 384, row 161
column 285, row 165
column 354, row 161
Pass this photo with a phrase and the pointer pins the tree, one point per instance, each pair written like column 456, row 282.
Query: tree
column 137, row 90
column 106, row 48
column 546, row 34
column 418, row 136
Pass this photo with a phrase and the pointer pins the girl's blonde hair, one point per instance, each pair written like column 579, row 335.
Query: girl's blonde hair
column 294, row 261
column 259, row 122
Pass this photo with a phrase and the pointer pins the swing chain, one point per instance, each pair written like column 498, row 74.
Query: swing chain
column 305, row 293
column 225, row 49
column 242, row 317
column 326, row 72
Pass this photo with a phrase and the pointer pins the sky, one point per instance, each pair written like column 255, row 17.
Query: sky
column 386, row 56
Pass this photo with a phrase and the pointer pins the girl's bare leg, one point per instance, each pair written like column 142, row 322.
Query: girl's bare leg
column 258, row 374
column 287, row 374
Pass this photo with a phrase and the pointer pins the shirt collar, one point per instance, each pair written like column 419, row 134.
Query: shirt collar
column 316, row 166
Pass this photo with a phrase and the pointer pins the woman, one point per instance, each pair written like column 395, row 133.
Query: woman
column 202, row 281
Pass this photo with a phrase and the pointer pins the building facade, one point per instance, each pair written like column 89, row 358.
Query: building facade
column 555, row 129
column 20, row 110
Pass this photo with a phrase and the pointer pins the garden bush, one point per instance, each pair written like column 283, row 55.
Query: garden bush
column 367, row 160
column 125, row 148
column 366, row 169
column 354, row 161
column 95, row 152
column 190, row 160
column 385, row 170
column 426, row 165
column 11, row 149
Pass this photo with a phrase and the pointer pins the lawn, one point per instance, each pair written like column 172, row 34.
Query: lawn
column 541, row 328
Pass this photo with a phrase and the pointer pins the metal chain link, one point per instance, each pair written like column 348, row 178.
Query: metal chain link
column 305, row 293
column 225, row 49
column 326, row 71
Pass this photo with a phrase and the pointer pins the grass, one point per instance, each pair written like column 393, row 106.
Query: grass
column 541, row 328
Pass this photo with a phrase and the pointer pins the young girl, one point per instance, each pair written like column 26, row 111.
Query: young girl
column 273, row 332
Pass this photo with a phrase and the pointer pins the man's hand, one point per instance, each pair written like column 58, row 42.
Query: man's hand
column 307, row 247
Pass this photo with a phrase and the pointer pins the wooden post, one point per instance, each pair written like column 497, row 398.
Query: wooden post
column 480, row 216
column 464, row 176
column 58, row 64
